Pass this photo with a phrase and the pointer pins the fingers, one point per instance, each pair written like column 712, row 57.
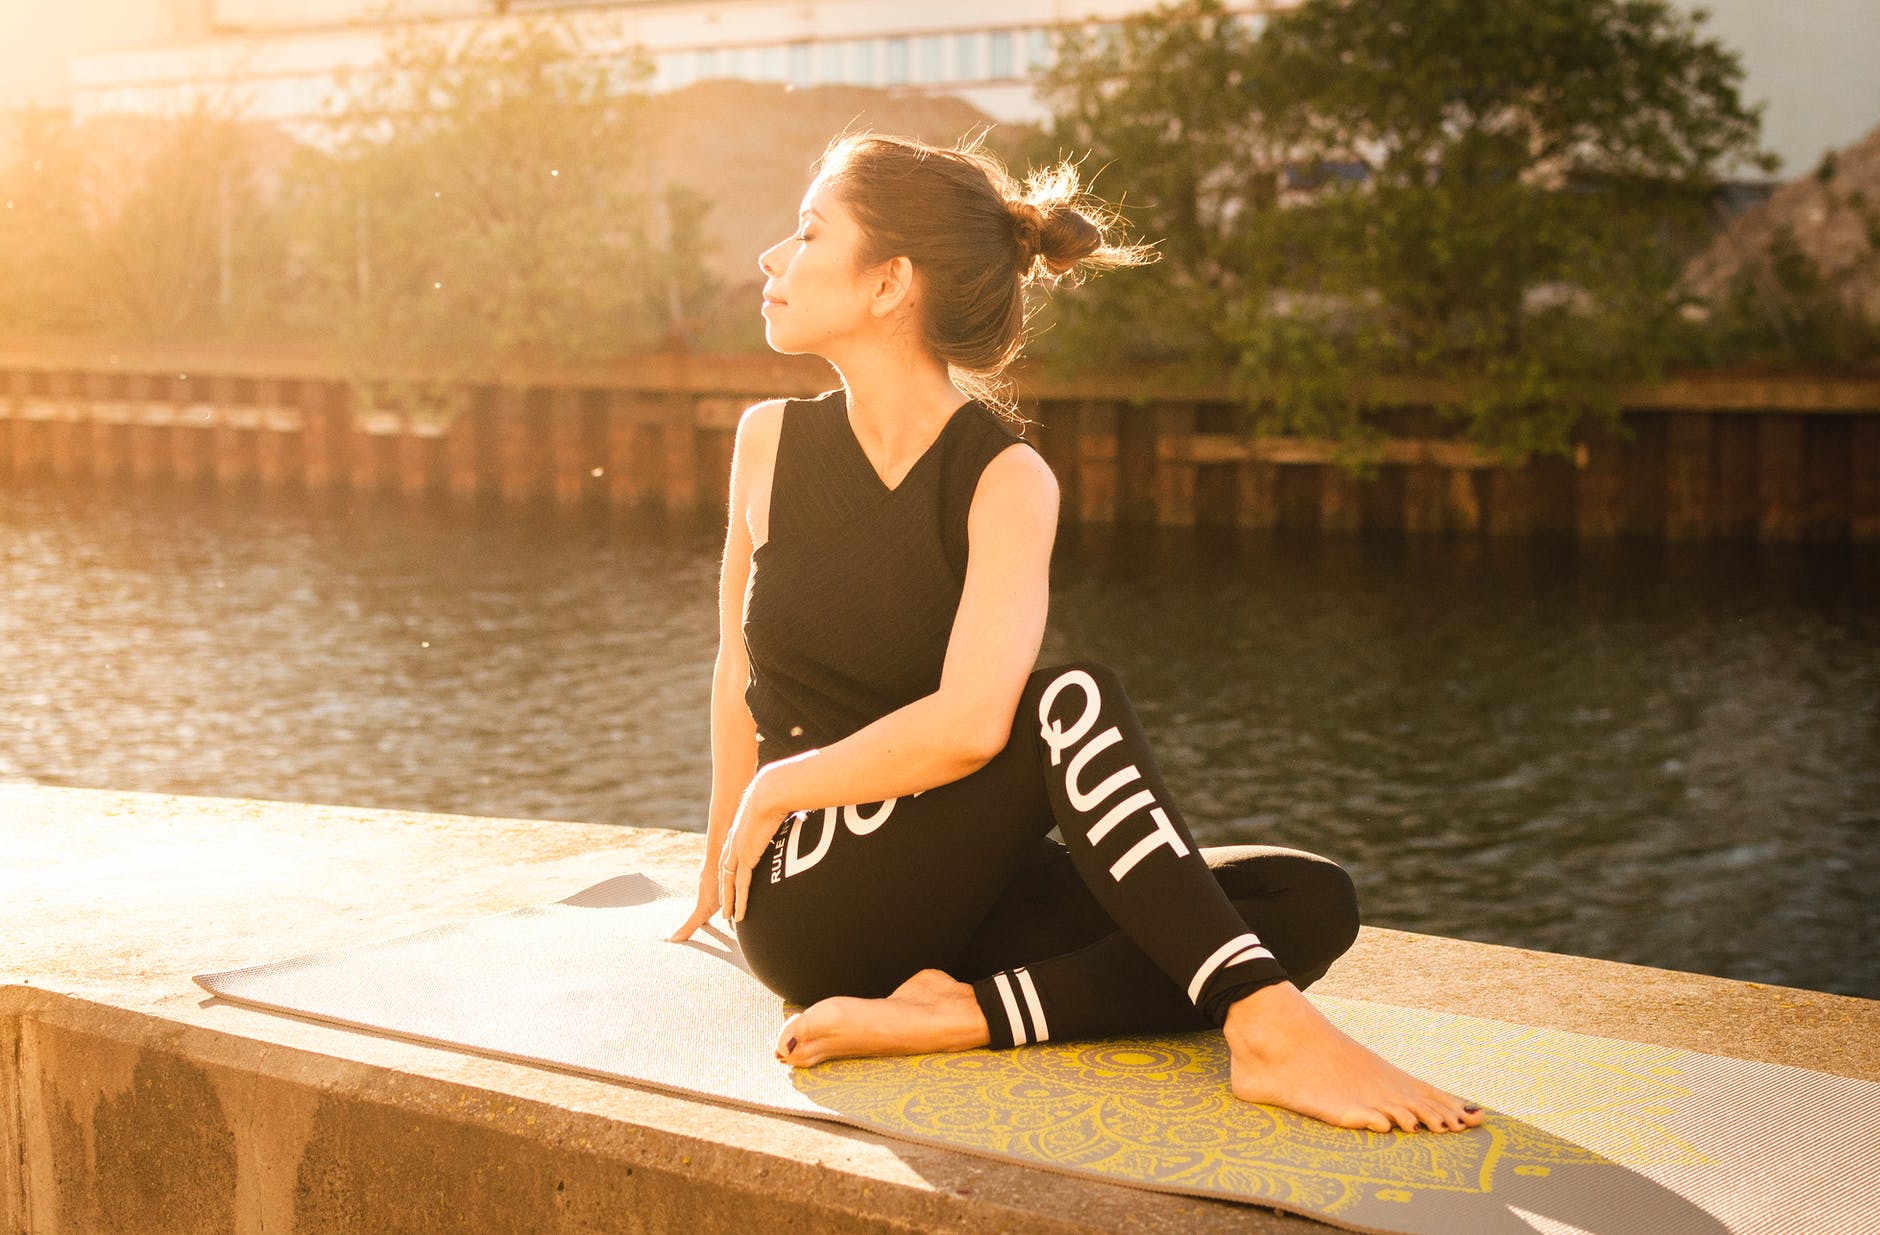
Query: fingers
column 727, row 888
column 691, row 925
column 744, row 889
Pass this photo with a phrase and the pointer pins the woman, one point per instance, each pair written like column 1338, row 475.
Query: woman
column 888, row 765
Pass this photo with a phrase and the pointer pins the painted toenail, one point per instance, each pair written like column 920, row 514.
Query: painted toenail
column 1473, row 1110
column 791, row 1045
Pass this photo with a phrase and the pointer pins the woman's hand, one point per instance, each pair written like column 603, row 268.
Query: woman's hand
column 751, row 829
column 705, row 907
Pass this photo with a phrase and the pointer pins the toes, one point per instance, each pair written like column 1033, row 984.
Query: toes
column 787, row 1037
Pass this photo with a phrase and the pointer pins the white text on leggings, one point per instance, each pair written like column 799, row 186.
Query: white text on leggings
column 786, row 851
column 1060, row 739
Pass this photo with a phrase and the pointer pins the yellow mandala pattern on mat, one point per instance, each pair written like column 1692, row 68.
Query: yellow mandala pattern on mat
column 1150, row 1109
column 1158, row 1110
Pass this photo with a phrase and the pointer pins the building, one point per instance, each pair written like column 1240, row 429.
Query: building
column 278, row 58
column 1810, row 60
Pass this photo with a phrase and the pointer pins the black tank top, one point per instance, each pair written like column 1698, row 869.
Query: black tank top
column 851, row 599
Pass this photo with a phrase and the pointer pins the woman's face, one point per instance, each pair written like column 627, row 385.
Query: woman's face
column 815, row 294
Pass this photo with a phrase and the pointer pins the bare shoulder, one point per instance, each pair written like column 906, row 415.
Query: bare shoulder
column 759, row 426
column 755, row 452
column 1017, row 479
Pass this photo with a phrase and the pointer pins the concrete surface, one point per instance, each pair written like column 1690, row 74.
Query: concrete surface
column 129, row 1101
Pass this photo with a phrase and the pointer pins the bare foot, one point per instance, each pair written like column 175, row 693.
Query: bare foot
column 928, row 1012
column 1285, row 1053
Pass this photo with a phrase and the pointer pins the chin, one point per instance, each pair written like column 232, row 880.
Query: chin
column 781, row 343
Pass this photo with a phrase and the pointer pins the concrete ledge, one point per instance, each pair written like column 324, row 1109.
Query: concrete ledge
column 130, row 1101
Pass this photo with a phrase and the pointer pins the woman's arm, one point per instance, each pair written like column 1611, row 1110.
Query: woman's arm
column 733, row 731
column 997, row 631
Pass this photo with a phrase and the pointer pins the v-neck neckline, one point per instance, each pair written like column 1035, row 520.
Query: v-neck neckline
column 848, row 431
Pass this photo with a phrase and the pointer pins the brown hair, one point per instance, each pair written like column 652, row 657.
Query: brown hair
column 978, row 239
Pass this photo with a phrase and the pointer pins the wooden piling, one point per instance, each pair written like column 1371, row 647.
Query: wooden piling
column 372, row 436
column 1733, row 475
column 1257, row 500
column 629, row 417
column 1863, row 516
column 1425, row 499
column 570, row 457
column 322, row 462
column 190, row 439
column 1509, row 510
column 1340, row 499
column 1774, row 461
column 1599, row 486
column 107, row 415
column 1550, row 484
column 1688, row 467
column 151, row 425
column 678, row 430
column 1173, row 463
column 715, row 434
column 1779, row 471
column 1463, row 499
column 69, row 437
column 521, row 417
column 1827, row 477
column 232, row 432
column 469, row 447
column 420, row 458
column 14, row 418
column 1296, row 496
column 1097, row 463
column 278, row 436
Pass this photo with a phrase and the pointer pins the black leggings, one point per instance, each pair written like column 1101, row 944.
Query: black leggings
column 1127, row 926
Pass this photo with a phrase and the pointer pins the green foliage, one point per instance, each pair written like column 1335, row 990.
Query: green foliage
column 139, row 227
column 1500, row 196
column 481, row 198
column 679, row 269
column 1158, row 103
column 481, row 202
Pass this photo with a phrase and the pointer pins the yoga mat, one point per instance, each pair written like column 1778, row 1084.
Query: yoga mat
column 1584, row 1133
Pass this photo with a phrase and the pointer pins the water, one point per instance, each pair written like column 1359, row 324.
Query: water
column 1657, row 754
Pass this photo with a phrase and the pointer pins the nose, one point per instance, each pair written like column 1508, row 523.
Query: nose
column 766, row 261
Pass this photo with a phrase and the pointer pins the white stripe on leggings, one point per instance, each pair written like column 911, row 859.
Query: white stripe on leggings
column 1032, row 1004
column 1248, row 943
column 1011, row 1009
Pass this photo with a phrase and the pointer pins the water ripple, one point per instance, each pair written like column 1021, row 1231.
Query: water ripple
column 1649, row 753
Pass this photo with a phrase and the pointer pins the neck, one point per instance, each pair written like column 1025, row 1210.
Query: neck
column 898, row 398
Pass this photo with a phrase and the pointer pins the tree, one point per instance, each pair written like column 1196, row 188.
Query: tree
column 1496, row 195
column 482, row 201
column 141, row 227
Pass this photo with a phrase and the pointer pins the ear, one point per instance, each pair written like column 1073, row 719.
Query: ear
column 891, row 286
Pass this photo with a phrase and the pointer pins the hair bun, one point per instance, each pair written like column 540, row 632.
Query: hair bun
column 1060, row 234
column 1028, row 225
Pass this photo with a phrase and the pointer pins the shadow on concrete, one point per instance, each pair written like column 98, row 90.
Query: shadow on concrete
column 620, row 892
column 721, row 946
